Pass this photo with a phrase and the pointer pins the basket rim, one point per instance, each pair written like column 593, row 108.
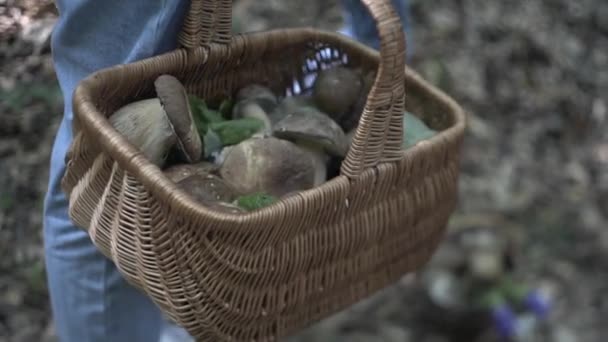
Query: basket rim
column 87, row 117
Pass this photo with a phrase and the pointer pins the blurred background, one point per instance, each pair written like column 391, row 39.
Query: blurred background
column 526, row 254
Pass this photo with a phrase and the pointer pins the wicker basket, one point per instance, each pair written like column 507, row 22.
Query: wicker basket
column 265, row 274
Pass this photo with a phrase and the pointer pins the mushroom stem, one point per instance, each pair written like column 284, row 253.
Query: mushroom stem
column 319, row 160
column 251, row 109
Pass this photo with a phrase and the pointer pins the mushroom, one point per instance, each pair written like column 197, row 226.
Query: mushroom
column 207, row 187
column 267, row 165
column 155, row 125
column 252, row 109
column 259, row 94
column 317, row 134
column 174, row 100
column 255, row 101
column 180, row 172
column 213, row 144
column 336, row 90
column 349, row 122
column 220, row 158
column 290, row 104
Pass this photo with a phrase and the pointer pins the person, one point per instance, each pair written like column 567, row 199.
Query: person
column 90, row 300
column 359, row 25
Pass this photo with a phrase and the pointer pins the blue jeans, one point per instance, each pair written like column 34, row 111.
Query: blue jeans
column 359, row 25
column 90, row 300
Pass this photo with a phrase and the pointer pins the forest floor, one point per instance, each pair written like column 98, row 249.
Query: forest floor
column 533, row 76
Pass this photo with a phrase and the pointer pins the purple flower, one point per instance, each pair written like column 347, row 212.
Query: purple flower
column 504, row 321
column 538, row 303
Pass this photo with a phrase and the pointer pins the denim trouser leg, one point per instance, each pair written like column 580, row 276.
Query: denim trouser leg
column 90, row 300
column 359, row 24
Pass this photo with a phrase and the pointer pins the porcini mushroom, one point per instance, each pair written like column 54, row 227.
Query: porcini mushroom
column 317, row 134
column 336, row 90
column 211, row 191
column 267, row 165
column 290, row 104
column 259, row 94
column 255, row 101
column 174, row 100
column 252, row 109
column 349, row 122
column 155, row 125
column 177, row 173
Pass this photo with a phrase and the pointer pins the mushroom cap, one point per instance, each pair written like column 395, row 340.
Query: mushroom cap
column 336, row 90
column 174, row 100
column 268, row 165
column 349, row 122
column 263, row 96
column 290, row 104
column 311, row 126
column 177, row 173
column 207, row 188
column 143, row 123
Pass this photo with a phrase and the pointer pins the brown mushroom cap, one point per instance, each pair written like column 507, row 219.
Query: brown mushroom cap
column 144, row 124
column 313, row 127
column 336, row 90
column 290, row 104
column 349, row 122
column 268, row 165
column 207, row 188
column 175, row 102
column 177, row 173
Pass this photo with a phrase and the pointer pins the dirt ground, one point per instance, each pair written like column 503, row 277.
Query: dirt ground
column 533, row 75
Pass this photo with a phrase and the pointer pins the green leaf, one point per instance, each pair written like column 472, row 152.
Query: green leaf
column 212, row 116
column 196, row 106
column 201, row 110
column 255, row 201
column 201, row 126
column 226, row 108
column 233, row 132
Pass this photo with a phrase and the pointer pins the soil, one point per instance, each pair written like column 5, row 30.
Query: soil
column 533, row 77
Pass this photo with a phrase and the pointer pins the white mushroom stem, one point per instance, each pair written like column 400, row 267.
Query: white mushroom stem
column 145, row 125
column 251, row 109
column 319, row 158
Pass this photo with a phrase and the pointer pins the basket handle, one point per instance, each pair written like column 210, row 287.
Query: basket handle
column 207, row 22
column 379, row 134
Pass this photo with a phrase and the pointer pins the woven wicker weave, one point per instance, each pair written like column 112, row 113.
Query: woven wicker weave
column 265, row 274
